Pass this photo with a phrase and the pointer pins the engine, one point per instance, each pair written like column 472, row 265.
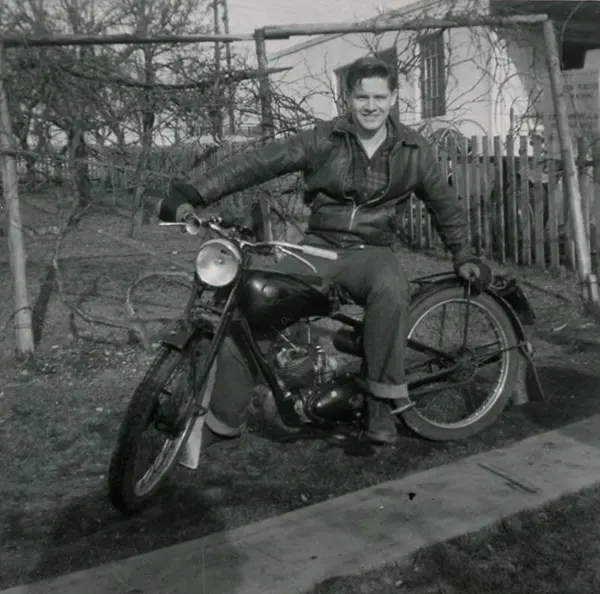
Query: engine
column 303, row 366
column 313, row 377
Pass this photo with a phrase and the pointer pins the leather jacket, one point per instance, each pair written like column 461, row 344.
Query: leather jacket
column 323, row 155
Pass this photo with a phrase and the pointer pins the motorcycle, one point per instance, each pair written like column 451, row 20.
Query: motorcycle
column 307, row 386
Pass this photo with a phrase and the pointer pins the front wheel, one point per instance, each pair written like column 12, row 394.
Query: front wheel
column 157, row 423
column 476, row 392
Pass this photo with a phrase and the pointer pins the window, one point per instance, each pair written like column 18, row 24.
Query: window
column 433, row 75
column 389, row 55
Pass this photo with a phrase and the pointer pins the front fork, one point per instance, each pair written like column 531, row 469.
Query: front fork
column 239, row 330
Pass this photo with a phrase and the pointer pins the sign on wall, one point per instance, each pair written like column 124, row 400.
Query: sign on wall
column 582, row 89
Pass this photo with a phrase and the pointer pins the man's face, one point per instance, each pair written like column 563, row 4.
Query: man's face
column 371, row 102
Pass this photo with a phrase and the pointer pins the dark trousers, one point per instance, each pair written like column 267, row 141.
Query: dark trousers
column 375, row 279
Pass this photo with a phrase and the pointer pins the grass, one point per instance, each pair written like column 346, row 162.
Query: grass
column 554, row 550
column 59, row 417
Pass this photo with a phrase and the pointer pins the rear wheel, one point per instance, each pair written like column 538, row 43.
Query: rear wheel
column 478, row 389
column 157, row 424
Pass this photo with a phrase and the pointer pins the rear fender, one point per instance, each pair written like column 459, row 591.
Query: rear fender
column 506, row 292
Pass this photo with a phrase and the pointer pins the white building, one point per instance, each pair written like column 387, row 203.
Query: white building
column 479, row 81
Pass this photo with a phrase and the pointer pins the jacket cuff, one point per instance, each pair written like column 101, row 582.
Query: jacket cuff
column 464, row 255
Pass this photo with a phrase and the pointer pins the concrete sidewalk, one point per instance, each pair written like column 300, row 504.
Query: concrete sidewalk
column 359, row 531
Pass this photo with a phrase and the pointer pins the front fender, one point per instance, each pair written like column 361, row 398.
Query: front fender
column 182, row 332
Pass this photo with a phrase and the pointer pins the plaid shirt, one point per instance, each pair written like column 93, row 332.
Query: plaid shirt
column 368, row 177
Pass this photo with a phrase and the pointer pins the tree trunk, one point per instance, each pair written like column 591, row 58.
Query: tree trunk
column 22, row 316
column 78, row 166
column 148, row 112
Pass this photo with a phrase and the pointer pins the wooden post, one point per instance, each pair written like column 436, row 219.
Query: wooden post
column 584, row 270
column 218, row 106
column 22, row 317
column 266, row 110
column 264, row 86
column 228, row 61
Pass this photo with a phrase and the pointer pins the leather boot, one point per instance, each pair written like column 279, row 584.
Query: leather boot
column 381, row 425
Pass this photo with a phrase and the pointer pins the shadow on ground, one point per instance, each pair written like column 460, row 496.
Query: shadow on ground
column 107, row 536
column 572, row 394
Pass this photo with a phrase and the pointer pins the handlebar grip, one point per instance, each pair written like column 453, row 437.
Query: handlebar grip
column 318, row 252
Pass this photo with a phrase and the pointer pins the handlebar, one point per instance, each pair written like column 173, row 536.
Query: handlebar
column 193, row 224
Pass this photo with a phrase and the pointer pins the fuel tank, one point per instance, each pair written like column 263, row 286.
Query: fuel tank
column 271, row 299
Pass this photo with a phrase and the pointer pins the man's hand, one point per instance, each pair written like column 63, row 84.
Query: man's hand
column 476, row 271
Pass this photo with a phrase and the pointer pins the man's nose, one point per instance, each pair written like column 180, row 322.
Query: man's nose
column 371, row 105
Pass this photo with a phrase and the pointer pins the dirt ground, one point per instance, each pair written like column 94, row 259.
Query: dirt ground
column 59, row 417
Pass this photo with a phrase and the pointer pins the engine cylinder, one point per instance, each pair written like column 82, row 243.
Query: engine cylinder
column 295, row 366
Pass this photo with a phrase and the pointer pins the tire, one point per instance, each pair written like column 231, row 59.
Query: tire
column 124, row 492
column 493, row 408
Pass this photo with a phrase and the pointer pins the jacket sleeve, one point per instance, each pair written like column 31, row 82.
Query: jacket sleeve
column 448, row 215
column 254, row 166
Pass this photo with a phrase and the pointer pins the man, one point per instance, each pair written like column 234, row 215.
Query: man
column 359, row 170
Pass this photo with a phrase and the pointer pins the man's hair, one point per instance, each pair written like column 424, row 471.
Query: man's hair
column 370, row 67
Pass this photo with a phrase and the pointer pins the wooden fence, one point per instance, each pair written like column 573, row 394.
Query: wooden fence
column 112, row 169
column 512, row 193
column 514, row 199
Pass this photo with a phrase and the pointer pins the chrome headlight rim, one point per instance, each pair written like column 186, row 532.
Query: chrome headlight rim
column 211, row 278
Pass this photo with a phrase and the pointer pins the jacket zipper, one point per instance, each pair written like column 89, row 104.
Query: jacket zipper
column 354, row 211
column 356, row 207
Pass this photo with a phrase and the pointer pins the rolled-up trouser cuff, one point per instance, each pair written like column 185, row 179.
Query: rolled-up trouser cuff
column 387, row 391
column 219, row 427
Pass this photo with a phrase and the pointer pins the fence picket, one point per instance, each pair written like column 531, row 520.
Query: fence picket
column 524, row 202
column 499, row 229
column 512, row 217
column 477, row 198
column 465, row 186
column 539, row 209
column 428, row 223
column 486, row 191
column 553, row 214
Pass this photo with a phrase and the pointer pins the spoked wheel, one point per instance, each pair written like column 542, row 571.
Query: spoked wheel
column 157, row 424
column 484, row 364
